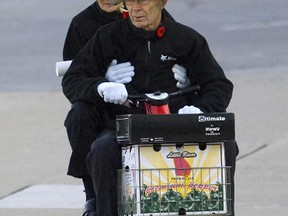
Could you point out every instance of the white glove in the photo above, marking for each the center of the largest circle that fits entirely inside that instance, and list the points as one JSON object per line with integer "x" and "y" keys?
{"x": 180, "y": 74}
{"x": 189, "y": 110}
{"x": 113, "y": 92}
{"x": 120, "y": 73}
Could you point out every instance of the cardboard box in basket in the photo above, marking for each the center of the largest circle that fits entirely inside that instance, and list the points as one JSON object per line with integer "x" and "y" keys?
{"x": 173, "y": 178}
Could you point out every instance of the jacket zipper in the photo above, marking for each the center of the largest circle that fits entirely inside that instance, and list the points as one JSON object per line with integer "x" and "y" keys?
{"x": 149, "y": 47}
{"x": 149, "y": 53}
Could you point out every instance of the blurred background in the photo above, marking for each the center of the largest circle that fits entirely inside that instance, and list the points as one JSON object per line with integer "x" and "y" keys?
{"x": 247, "y": 38}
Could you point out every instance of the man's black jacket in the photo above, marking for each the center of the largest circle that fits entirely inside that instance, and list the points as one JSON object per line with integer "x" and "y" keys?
{"x": 153, "y": 56}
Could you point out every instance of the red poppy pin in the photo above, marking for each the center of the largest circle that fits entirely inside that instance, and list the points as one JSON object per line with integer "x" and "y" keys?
{"x": 160, "y": 32}
{"x": 125, "y": 14}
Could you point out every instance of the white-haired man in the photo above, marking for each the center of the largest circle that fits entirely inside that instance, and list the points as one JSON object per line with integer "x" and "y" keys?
{"x": 143, "y": 41}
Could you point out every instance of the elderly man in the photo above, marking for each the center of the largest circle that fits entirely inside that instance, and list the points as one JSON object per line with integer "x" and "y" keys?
{"x": 81, "y": 132}
{"x": 152, "y": 45}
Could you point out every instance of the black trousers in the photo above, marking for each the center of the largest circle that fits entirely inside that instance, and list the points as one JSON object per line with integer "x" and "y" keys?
{"x": 97, "y": 155}
{"x": 83, "y": 123}
{"x": 103, "y": 161}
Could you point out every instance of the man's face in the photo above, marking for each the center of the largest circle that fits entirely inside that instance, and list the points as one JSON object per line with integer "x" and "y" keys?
{"x": 145, "y": 14}
{"x": 106, "y": 6}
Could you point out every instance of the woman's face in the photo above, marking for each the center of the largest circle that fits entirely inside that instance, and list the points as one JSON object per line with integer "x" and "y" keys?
{"x": 106, "y": 6}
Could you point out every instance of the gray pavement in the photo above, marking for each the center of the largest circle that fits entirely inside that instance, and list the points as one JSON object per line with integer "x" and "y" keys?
{"x": 248, "y": 38}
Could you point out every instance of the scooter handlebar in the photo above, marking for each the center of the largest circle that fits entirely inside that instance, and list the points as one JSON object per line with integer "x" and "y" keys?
{"x": 163, "y": 95}
{"x": 190, "y": 89}
{"x": 157, "y": 102}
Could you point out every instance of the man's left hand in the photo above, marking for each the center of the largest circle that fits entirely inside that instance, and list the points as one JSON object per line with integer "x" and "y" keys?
{"x": 189, "y": 110}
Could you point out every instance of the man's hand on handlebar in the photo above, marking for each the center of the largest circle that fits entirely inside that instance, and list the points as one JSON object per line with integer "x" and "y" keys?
{"x": 180, "y": 74}
{"x": 113, "y": 92}
{"x": 189, "y": 110}
{"x": 120, "y": 73}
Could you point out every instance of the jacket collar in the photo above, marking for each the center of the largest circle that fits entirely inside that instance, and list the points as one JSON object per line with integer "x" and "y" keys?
{"x": 151, "y": 34}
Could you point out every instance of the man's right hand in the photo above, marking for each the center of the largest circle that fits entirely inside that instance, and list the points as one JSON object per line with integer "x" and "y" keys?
{"x": 113, "y": 92}
{"x": 120, "y": 73}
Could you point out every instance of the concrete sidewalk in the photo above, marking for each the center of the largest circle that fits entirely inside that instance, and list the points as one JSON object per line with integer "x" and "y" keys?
{"x": 261, "y": 107}
{"x": 35, "y": 150}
